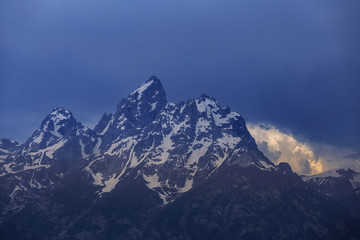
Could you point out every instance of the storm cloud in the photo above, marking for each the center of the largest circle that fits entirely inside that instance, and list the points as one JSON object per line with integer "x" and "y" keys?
{"x": 304, "y": 157}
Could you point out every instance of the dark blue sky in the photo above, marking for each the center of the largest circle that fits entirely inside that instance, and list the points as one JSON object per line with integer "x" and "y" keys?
{"x": 293, "y": 64}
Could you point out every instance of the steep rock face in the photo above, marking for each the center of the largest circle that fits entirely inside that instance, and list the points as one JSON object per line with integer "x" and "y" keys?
{"x": 173, "y": 146}
{"x": 136, "y": 111}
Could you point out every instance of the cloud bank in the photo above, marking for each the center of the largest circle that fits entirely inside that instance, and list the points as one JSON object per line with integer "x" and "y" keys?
{"x": 304, "y": 157}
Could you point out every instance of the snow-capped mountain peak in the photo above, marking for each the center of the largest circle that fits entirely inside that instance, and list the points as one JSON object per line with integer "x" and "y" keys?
{"x": 133, "y": 113}
{"x": 150, "y": 96}
{"x": 147, "y": 135}
{"x": 59, "y": 124}
{"x": 191, "y": 140}
{"x": 60, "y": 136}
{"x": 153, "y": 85}
{"x": 59, "y": 114}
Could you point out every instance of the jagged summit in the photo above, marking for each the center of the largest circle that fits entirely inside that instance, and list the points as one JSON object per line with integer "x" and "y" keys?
{"x": 192, "y": 139}
{"x": 143, "y": 104}
{"x": 58, "y": 114}
{"x": 161, "y": 140}
{"x": 58, "y": 124}
{"x": 153, "y": 78}
{"x": 206, "y": 96}
{"x": 133, "y": 113}
{"x": 60, "y": 109}
{"x": 102, "y": 124}
{"x": 60, "y": 136}
{"x": 151, "y": 88}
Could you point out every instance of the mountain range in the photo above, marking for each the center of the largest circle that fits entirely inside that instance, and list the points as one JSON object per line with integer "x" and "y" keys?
{"x": 159, "y": 170}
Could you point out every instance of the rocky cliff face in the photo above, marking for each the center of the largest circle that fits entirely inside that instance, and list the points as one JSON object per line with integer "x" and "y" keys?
{"x": 172, "y": 146}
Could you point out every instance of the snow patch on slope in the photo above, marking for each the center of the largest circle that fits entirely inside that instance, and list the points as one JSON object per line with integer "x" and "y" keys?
{"x": 83, "y": 154}
{"x": 96, "y": 176}
{"x": 110, "y": 184}
{"x": 107, "y": 126}
{"x": 197, "y": 152}
{"x": 219, "y": 121}
{"x": 206, "y": 105}
{"x": 154, "y": 184}
{"x": 188, "y": 185}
